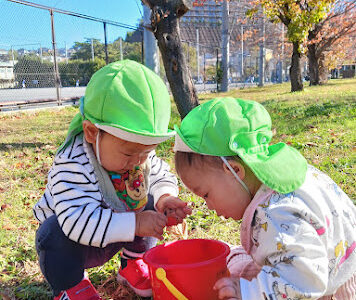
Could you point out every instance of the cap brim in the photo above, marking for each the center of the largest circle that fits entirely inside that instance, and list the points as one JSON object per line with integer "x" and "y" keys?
{"x": 181, "y": 144}
{"x": 283, "y": 169}
{"x": 136, "y": 137}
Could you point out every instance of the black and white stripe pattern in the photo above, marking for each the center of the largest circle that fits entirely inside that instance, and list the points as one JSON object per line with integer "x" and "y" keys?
{"x": 73, "y": 194}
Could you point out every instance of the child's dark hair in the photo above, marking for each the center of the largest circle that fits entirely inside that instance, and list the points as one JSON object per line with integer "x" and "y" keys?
{"x": 183, "y": 159}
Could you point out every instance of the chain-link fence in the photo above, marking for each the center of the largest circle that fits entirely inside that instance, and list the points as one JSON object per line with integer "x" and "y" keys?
{"x": 254, "y": 44}
{"x": 50, "y": 55}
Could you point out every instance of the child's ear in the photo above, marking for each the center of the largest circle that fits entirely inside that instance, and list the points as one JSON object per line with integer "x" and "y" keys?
{"x": 90, "y": 131}
{"x": 238, "y": 168}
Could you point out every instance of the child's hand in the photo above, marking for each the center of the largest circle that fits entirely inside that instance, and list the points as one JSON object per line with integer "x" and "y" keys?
{"x": 150, "y": 223}
{"x": 174, "y": 208}
{"x": 228, "y": 288}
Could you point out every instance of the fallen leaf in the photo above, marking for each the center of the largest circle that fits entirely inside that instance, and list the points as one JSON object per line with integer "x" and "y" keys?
{"x": 311, "y": 144}
{"x": 34, "y": 222}
{"x": 5, "y": 296}
{"x": 19, "y": 166}
{"x": 4, "y": 206}
{"x": 9, "y": 227}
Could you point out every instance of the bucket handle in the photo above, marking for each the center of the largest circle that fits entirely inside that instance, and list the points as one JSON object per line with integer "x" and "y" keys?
{"x": 161, "y": 275}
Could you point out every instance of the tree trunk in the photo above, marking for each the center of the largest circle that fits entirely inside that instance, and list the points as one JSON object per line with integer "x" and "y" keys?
{"x": 165, "y": 26}
{"x": 295, "y": 70}
{"x": 313, "y": 65}
{"x": 323, "y": 70}
{"x": 318, "y": 72}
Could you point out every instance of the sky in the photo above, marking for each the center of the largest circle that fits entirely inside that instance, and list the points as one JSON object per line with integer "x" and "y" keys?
{"x": 30, "y": 28}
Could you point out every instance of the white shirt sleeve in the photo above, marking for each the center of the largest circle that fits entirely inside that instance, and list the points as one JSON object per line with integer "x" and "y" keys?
{"x": 79, "y": 208}
{"x": 288, "y": 242}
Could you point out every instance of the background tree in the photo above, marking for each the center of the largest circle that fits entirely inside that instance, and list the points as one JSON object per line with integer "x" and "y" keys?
{"x": 299, "y": 17}
{"x": 79, "y": 70}
{"x": 330, "y": 34}
{"x": 342, "y": 53}
{"x": 34, "y": 73}
{"x": 130, "y": 50}
{"x": 165, "y": 16}
{"x": 191, "y": 56}
{"x": 83, "y": 50}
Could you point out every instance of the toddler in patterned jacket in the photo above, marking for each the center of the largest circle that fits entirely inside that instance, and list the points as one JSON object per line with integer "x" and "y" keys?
{"x": 298, "y": 229}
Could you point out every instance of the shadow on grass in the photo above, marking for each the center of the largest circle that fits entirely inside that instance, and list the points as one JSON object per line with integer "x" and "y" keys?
{"x": 338, "y": 82}
{"x": 33, "y": 290}
{"x": 312, "y": 110}
{"x": 20, "y": 146}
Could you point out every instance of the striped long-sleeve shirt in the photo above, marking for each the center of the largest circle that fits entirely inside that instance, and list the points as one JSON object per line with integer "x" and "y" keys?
{"x": 74, "y": 195}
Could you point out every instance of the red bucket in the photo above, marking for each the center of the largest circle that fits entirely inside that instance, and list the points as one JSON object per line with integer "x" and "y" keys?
{"x": 187, "y": 269}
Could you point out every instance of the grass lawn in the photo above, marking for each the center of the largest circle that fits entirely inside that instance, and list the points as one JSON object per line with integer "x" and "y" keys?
{"x": 320, "y": 122}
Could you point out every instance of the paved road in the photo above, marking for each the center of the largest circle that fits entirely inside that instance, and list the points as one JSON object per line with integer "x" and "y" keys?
{"x": 212, "y": 87}
{"x": 32, "y": 94}
{"x": 14, "y": 95}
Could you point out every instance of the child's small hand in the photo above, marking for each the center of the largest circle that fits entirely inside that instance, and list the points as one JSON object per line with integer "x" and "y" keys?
{"x": 174, "y": 208}
{"x": 228, "y": 288}
{"x": 150, "y": 223}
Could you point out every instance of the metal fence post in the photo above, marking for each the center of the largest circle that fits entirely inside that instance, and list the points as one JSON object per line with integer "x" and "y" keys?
{"x": 55, "y": 69}
{"x": 106, "y": 44}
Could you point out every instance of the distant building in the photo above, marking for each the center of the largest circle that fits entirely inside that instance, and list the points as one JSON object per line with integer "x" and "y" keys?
{"x": 50, "y": 58}
{"x": 205, "y": 13}
{"x": 7, "y": 77}
{"x": 348, "y": 70}
{"x": 206, "y": 16}
{"x": 4, "y": 55}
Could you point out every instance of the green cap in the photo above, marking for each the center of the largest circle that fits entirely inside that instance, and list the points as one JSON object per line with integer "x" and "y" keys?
{"x": 229, "y": 127}
{"x": 128, "y": 100}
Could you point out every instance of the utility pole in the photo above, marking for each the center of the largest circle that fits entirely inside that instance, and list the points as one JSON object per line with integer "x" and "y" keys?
{"x": 13, "y": 56}
{"x": 55, "y": 69}
{"x": 217, "y": 69}
{"x": 225, "y": 46}
{"x": 121, "y": 54}
{"x": 282, "y": 60}
{"x": 150, "y": 43}
{"x": 142, "y": 48}
{"x": 242, "y": 53}
{"x": 65, "y": 44}
{"x": 41, "y": 57}
{"x": 261, "y": 79}
{"x": 197, "y": 47}
{"x": 204, "y": 78}
{"x": 92, "y": 50}
{"x": 106, "y": 44}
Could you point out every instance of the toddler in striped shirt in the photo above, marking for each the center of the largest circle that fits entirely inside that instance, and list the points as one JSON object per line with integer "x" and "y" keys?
{"x": 107, "y": 190}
